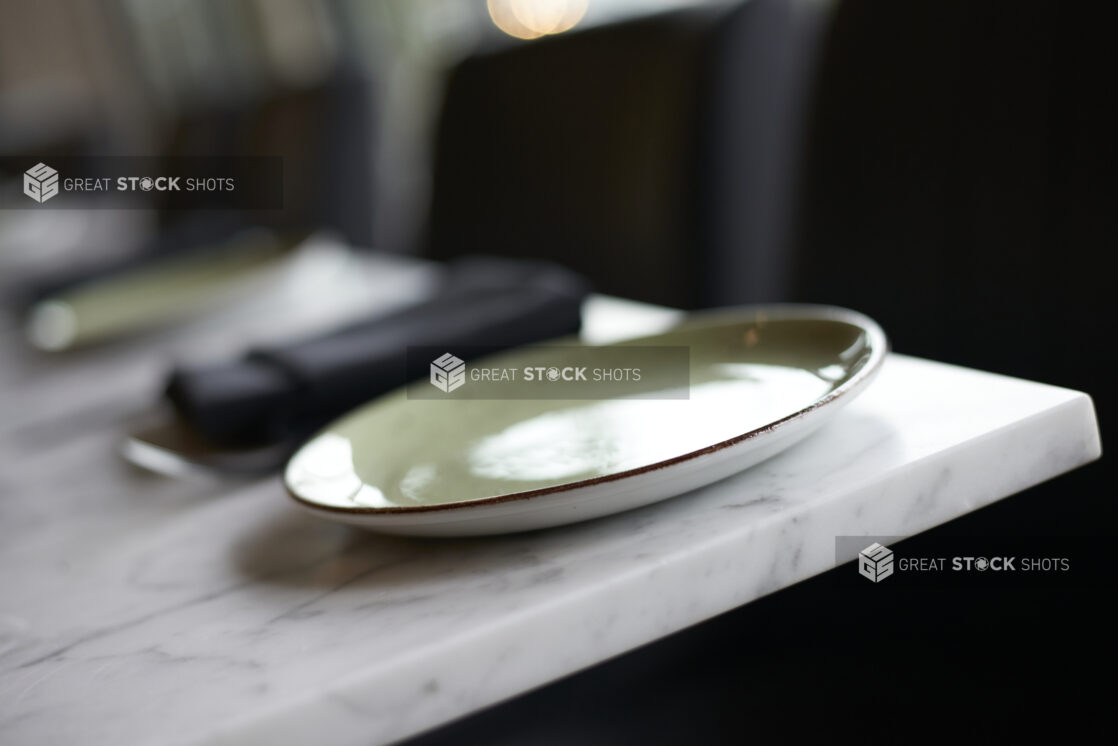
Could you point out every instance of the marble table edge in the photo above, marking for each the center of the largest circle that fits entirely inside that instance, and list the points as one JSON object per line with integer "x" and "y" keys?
{"x": 462, "y": 674}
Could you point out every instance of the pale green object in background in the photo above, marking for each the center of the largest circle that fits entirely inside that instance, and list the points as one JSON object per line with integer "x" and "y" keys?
{"x": 155, "y": 294}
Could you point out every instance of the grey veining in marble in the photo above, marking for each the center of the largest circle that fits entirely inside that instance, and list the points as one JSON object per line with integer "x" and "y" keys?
{"x": 137, "y": 609}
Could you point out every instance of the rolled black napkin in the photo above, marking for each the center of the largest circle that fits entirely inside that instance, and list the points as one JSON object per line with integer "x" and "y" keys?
{"x": 285, "y": 392}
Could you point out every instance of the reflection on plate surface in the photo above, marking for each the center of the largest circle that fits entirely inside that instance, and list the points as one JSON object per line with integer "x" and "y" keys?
{"x": 749, "y": 369}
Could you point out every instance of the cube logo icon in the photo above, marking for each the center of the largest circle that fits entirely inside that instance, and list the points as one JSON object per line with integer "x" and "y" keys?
{"x": 40, "y": 182}
{"x": 448, "y": 373}
{"x": 875, "y": 562}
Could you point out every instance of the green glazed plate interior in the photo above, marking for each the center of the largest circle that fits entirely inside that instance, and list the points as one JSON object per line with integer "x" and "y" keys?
{"x": 750, "y": 370}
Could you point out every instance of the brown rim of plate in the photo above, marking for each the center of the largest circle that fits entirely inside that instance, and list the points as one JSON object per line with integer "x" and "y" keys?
{"x": 878, "y": 344}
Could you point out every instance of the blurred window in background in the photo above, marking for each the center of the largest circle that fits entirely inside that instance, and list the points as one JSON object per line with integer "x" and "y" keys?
{"x": 345, "y": 90}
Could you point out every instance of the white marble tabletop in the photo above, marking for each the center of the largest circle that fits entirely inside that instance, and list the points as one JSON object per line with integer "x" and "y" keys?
{"x": 145, "y": 610}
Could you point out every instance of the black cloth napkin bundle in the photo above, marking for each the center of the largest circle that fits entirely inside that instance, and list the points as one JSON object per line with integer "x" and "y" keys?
{"x": 286, "y": 392}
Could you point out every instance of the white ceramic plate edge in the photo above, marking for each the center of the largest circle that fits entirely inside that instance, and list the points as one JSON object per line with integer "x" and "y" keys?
{"x": 636, "y": 488}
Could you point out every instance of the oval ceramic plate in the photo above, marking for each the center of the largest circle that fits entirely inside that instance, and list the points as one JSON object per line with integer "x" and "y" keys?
{"x": 761, "y": 379}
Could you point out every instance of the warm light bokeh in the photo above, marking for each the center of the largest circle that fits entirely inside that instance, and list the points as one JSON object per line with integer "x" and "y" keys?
{"x": 531, "y": 19}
